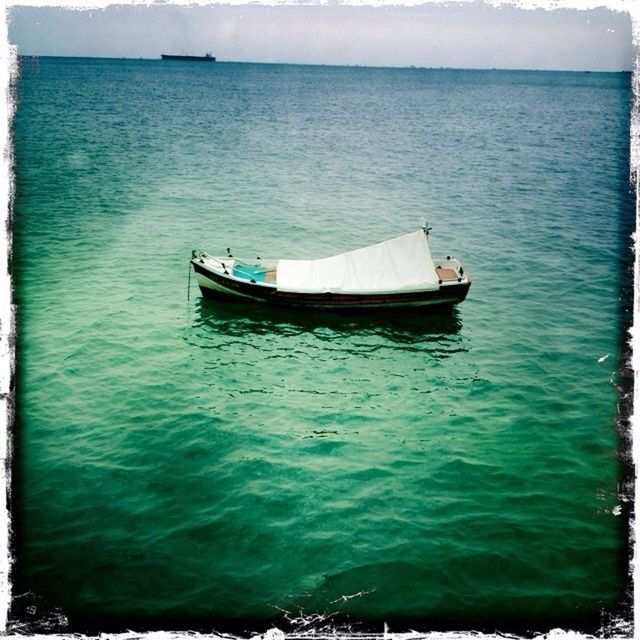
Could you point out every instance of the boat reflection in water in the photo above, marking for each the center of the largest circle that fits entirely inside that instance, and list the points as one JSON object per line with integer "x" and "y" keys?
{"x": 241, "y": 319}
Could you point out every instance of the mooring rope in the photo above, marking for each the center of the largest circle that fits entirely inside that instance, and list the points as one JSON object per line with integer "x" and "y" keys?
{"x": 189, "y": 281}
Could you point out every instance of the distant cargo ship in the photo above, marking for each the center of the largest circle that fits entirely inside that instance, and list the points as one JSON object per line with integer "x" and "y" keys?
{"x": 206, "y": 58}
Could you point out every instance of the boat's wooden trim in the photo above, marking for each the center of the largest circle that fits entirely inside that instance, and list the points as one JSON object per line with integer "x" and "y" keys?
{"x": 222, "y": 286}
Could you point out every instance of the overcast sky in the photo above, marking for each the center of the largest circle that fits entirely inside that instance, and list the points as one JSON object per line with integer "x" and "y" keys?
{"x": 469, "y": 35}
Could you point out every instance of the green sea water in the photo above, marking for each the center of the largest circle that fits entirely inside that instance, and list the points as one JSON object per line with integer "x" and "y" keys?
{"x": 187, "y": 464}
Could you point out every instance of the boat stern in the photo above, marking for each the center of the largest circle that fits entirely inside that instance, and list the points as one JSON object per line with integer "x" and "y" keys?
{"x": 452, "y": 277}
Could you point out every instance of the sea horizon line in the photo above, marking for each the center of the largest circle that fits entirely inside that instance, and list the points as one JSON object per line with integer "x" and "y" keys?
{"x": 335, "y": 65}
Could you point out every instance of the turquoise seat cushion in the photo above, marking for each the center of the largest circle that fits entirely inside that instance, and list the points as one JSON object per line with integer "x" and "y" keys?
{"x": 248, "y": 272}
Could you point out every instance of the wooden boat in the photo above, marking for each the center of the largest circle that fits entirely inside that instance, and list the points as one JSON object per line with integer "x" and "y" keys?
{"x": 395, "y": 273}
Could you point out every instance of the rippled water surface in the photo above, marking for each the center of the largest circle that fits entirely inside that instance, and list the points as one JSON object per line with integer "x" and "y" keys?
{"x": 179, "y": 460}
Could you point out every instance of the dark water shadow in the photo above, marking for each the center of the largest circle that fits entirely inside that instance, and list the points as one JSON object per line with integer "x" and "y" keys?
{"x": 407, "y": 326}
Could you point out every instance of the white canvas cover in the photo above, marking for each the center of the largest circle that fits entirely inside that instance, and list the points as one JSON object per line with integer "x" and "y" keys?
{"x": 399, "y": 265}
